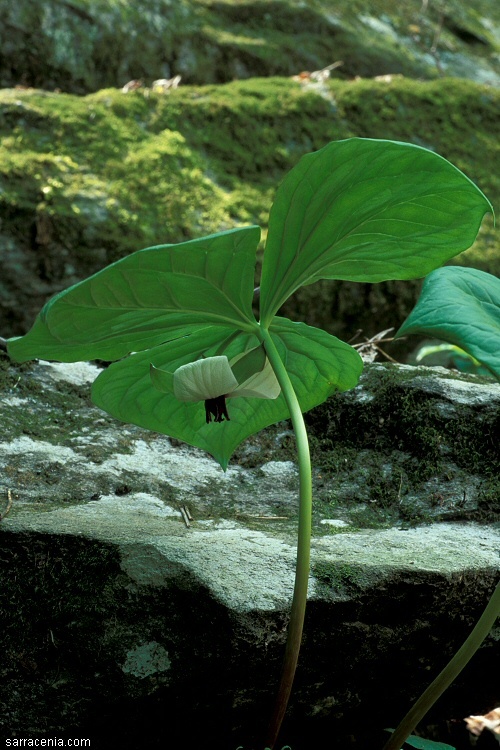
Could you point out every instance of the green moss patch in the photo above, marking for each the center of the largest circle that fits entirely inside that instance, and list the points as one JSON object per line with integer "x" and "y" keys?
{"x": 87, "y": 180}
{"x": 400, "y": 453}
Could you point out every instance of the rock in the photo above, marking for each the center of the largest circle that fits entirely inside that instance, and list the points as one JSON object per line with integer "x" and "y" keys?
{"x": 133, "y": 170}
{"x": 113, "y": 607}
{"x": 81, "y": 47}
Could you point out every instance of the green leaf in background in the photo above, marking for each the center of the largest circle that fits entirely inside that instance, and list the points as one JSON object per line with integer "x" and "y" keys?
{"x": 422, "y": 744}
{"x": 318, "y": 365}
{"x": 147, "y": 298}
{"x": 366, "y": 210}
{"x": 462, "y": 306}
{"x": 459, "y": 358}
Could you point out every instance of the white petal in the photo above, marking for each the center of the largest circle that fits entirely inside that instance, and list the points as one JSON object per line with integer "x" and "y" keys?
{"x": 261, "y": 385}
{"x": 205, "y": 378}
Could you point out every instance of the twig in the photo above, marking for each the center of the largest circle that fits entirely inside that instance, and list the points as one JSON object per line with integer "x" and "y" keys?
{"x": 9, "y": 505}
{"x": 256, "y": 515}
{"x": 354, "y": 337}
{"x": 186, "y": 515}
{"x": 332, "y": 66}
{"x": 384, "y": 354}
{"x": 437, "y": 35}
{"x": 374, "y": 342}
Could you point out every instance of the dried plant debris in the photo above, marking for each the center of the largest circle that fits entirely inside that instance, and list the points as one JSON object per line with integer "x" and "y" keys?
{"x": 491, "y": 721}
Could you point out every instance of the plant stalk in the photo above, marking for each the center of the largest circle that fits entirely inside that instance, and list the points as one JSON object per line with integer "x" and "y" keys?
{"x": 448, "y": 674}
{"x": 297, "y": 613}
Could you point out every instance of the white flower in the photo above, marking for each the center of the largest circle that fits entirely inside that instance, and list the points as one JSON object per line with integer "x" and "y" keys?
{"x": 212, "y": 380}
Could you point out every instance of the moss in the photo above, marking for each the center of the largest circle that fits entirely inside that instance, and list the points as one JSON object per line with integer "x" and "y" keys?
{"x": 392, "y": 453}
{"x": 412, "y": 424}
{"x": 393, "y": 447}
{"x": 18, "y": 382}
{"x": 90, "y": 179}
{"x": 343, "y": 578}
{"x": 252, "y": 130}
{"x": 489, "y": 497}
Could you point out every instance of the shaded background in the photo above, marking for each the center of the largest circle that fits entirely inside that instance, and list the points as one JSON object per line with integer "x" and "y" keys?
{"x": 90, "y": 172}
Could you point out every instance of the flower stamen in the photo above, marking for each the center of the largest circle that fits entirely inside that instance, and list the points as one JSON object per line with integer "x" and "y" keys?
{"x": 216, "y": 407}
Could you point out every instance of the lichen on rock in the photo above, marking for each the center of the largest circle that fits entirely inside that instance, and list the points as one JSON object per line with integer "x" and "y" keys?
{"x": 108, "y": 596}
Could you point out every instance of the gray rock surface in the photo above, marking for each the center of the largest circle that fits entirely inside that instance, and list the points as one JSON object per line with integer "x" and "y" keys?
{"x": 109, "y": 600}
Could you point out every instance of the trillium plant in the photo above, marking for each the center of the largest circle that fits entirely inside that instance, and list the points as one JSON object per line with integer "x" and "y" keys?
{"x": 191, "y": 360}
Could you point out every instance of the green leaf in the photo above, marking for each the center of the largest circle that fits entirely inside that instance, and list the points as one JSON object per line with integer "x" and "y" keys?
{"x": 422, "y": 744}
{"x": 366, "y": 210}
{"x": 147, "y": 298}
{"x": 457, "y": 356}
{"x": 251, "y": 363}
{"x": 462, "y": 306}
{"x": 428, "y": 351}
{"x": 162, "y": 380}
{"x": 318, "y": 365}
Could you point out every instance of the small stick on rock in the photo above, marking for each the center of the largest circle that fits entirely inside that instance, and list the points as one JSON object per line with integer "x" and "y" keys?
{"x": 9, "y": 506}
{"x": 186, "y": 516}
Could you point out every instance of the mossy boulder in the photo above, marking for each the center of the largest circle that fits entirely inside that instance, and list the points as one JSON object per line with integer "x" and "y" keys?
{"x": 122, "y": 624}
{"x": 86, "y": 180}
{"x": 85, "y": 45}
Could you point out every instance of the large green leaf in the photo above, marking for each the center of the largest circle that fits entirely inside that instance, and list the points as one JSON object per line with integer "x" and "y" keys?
{"x": 421, "y": 744}
{"x": 318, "y": 365}
{"x": 462, "y": 306}
{"x": 147, "y": 298}
{"x": 366, "y": 210}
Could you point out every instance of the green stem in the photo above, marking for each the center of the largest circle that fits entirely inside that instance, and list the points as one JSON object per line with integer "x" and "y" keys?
{"x": 449, "y": 673}
{"x": 295, "y": 627}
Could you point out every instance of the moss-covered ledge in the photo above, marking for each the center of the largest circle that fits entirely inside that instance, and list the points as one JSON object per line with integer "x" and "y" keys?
{"x": 113, "y": 607}
{"x": 87, "y": 180}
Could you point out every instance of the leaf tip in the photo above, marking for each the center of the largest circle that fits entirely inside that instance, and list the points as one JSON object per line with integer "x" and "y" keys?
{"x": 15, "y": 351}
